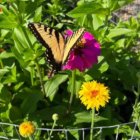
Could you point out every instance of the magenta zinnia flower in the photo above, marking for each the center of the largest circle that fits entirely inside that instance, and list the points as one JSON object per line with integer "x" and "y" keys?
{"x": 84, "y": 56}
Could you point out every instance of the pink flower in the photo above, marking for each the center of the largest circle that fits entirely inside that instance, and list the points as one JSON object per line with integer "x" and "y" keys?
{"x": 85, "y": 54}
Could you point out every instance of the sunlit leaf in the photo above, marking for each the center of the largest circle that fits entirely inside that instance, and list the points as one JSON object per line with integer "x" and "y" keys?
{"x": 86, "y": 117}
{"x": 88, "y": 8}
{"x": 119, "y": 31}
{"x": 52, "y": 85}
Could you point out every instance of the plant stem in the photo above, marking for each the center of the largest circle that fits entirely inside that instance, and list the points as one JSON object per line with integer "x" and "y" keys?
{"x": 128, "y": 42}
{"x": 73, "y": 89}
{"x": 92, "y": 123}
{"x": 31, "y": 138}
{"x": 40, "y": 77}
{"x": 137, "y": 93}
{"x": 54, "y": 123}
{"x": 37, "y": 65}
{"x": 138, "y": 96}
{"x": 1, "y": 64}
{"x": 136, "y": 104}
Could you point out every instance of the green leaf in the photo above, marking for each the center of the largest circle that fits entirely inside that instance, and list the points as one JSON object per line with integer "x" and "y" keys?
{"x": 7, "y": 23}
{"x": 114, "y": 5}
{"x": 30, "y": 99}
{"x": 5, "y": 54}
{"x": 85, "y": 116}
{"x": 20, "y": 39}
{"x": 21, "y": 6}
{"x": 3, "y": 72}
{"x": 119, "y": 31}
{"x": 78, "y": 82}
{"x": 15, "y": 113}
{"x": 8, "y": 131}
{"x": 12, "y": 76}
{"x": 88, "y": 77}
{"x": 7, "y": 19}
{"x": 5, "y": 96}
{"x": 118, "y": 97}
{"x": 18, "y": 85}
{"x": 22, "y": 49}
{"x": 88, "y": 8}
{"x": 1, "y": 86}
{"x": 103, "y": 65}
{"x": 75, "y": 134}
{"x": 52, "y": 85}
{"x": 97, "y": 21}
{"x": 124, "y": 2}
{"x": 38, "y": 15}
{"x": 18, "y": 56}
{"x": 32, "y": 6}
{"x": 4, "y": 33}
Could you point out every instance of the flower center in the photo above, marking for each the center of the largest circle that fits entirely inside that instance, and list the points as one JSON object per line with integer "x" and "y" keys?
{"x": 77, "y": 52}
{"x": 78, "y": 46}
{"x": 94, "y": 93}
{"x": 81, "y": 43}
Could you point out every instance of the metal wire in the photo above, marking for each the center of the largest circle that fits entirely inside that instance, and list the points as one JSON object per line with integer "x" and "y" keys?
{"x": 66, "y": 131}
{"x": 124, "y": 13}
{"x": 117, "y": 132}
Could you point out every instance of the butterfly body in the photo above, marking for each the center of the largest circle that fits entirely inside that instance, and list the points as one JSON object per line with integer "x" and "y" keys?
{"x": 57, "y": 48}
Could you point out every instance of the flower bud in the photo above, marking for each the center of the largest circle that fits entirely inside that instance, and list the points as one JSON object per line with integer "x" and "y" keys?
{"x": 55, "y": 117}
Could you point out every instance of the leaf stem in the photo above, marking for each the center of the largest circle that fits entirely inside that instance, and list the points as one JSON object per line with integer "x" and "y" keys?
{"x": 54, "y": 123}
{"x": 73, "y": 89}
{"x": 138, "y": 93}
{"x": 92, "y": 123}
{"x": 31, "y": 138}
{"x": 40, "y": 77}
{"x": 1, "y": 64}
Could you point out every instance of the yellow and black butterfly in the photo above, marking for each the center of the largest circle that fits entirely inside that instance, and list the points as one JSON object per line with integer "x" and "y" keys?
{"x": 57, "y": 47}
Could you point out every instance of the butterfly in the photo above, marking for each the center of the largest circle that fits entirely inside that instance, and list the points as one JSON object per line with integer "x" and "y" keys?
{"x": 57, "y": 46}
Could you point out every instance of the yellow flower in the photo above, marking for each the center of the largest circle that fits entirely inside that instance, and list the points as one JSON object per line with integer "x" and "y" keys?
{"x": 26, "y": 129}
{"x": 94, "y": 95}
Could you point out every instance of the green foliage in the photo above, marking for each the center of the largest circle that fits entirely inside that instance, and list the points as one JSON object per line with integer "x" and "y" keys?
{"x": 27, "y": 93}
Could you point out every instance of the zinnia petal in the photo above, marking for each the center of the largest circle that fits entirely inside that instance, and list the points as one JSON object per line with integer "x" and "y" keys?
{"x": 83, "y": 57}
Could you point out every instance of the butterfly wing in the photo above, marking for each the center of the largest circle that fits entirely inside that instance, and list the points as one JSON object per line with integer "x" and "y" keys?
{"x": 71, "y": 42}
{"x": 52, "y": 40}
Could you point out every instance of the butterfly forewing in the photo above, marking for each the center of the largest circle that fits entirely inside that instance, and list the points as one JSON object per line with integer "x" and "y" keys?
{"x": 71, "y": 42}
{"x": 57, "y": 51}
{"x": 52, "y": 40}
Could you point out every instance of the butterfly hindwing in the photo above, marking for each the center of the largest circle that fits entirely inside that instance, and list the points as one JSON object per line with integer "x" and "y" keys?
{"x": 71, "y": 42}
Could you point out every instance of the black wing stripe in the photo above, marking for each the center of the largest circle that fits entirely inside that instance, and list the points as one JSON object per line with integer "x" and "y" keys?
{"x": 71, "y": 42}
{"x": 49, "y": 51}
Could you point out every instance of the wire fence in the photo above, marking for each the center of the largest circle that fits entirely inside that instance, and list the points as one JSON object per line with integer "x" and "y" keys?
{"x": 10, "y": 131}
{"x": 5, "y": 133}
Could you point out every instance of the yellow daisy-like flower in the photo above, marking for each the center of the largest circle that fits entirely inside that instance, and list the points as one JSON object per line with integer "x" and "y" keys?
{"x": 26, "y": 129}
{"x": 94, "y": 95}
